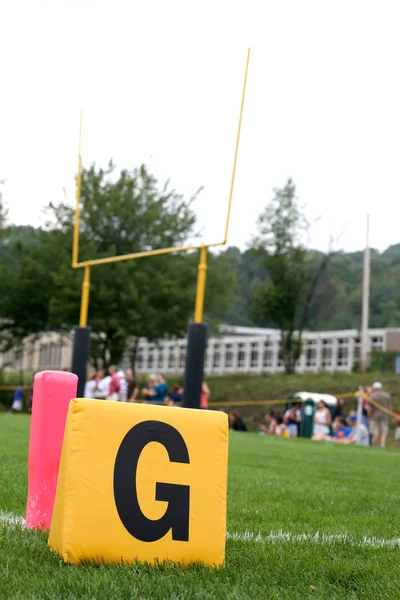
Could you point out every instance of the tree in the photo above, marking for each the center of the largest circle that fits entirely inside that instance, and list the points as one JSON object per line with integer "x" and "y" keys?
{"x": 27, "y": 274}
{"x": 249, "y": 273}
{"x": 284, "y": 299}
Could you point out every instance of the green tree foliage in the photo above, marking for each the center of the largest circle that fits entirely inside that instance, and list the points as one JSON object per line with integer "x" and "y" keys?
{"x": 28, "y": 270}
{"x": 337, "y": 300}
{"x": 284, "y": 299}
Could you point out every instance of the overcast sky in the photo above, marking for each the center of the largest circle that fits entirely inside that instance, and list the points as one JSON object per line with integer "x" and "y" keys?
{"x": 160, "y": 83}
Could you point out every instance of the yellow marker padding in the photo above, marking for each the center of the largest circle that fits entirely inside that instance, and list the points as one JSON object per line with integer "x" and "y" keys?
{"x": 141, "y": 482}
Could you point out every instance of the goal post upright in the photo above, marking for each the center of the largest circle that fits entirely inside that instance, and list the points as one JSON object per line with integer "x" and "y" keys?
{"x": 198, "y": 330}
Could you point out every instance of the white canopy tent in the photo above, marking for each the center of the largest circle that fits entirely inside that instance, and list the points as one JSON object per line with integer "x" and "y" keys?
{"x": 327, "y": 398}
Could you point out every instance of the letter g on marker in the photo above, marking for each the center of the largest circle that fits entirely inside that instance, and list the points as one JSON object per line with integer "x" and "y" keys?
{"x": 176, "y": 517}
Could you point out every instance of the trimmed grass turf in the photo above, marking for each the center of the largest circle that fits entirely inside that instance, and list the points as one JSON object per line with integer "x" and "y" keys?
{"x": 294, "y": 486}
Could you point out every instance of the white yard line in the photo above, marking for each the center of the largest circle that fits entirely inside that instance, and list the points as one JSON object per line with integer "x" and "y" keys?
{"x": 315, "y": 538}
{"x": 11, "y": 520}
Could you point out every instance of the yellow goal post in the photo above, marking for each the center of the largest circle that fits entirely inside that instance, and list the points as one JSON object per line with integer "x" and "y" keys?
{"x": 201, "y": 280}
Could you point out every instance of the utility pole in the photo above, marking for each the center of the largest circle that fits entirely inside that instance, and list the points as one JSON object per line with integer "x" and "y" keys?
{"x": 365, "y": 305}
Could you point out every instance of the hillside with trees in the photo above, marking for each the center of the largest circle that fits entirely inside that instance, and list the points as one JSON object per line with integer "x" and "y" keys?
{"x": 276, "y": 282}
{"x": 337, "y": 304}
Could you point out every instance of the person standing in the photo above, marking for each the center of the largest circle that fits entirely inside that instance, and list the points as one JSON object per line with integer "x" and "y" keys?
{"x": 133, "y": 389}
{"x": 18, "y": 400}
{"x": 379, "y": 419}
{"x": 102, "y": 386}
{"x": 30, "y": 395}
{"x": 322, "y": 420}
{"x": 115, "y": 385}
{"x": 90, "y": 387}
{"x": 159, "y": 392}
{"x": 123, "y": 386}
{"x": 205, "y": 394}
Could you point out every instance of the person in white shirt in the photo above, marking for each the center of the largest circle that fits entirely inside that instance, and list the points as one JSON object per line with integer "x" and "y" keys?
{"x": 322, "y": 420}
{"x": 280, "y": 428}
{"x": 102, "y": 388}
{"x": 123, "y": 389}
{"x": 90, "y": 387}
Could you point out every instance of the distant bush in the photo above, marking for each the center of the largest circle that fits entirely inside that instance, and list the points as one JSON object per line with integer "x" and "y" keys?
{"x": 383, "y": 361}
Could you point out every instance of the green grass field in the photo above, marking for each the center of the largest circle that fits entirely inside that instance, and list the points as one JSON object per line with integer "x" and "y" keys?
{"x": 305, "y": 520}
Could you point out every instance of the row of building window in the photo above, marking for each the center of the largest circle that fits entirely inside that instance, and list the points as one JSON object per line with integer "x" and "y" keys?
{"x": 50, "y": 355}
{"x": 240, "y": 355}
{"x": 264, "y": 354}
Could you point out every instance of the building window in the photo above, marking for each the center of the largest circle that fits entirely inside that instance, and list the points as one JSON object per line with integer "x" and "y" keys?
{"x": 254, "y": 355}
{"x": 241, "y": 356}
{"x": 311, "y": 354}
{"x": 54, "y": 355}
{"x": 326, "y": 356}
{"x": 139, "y": 360}
{"x": 207, "y": 359}
{"x": 216, "y": 356}
{"x": 171, "y": 358}
{"x": 9, "y": 359}
{"x": 228, "y": 356}
{"x": 44, "y": 356}
{"x": 160, "y": 359}
{"x": 182, "y": 357}
{"x": 280, "y": 356}
{"x": 357, "y": 349}
{"x": 267, "y": 355}
{"x": 150, "y": 358}
{"x": 342, "y": 358}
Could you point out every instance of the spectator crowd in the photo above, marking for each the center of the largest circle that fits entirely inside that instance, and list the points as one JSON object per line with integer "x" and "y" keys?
{"x": 122, "y": 386}
{"x": 336, "y": 426}
{"x": 371, "y": 428}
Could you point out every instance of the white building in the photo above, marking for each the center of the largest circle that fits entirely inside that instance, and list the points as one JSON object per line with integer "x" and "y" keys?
{"x": 235, "y": 350}
{"x": 47, "y": 351}
{"x": 255, "y": 350}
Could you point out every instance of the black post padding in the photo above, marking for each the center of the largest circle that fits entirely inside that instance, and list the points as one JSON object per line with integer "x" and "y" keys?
{"x": 80, "y": 357}
{"x": 194, "y": 368}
